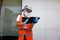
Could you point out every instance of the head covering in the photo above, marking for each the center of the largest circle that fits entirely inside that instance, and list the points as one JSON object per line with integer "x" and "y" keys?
{"x": 28, "y": 8}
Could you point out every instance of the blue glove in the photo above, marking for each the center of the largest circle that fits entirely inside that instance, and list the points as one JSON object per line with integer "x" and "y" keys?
{"x": 35, "y": 20}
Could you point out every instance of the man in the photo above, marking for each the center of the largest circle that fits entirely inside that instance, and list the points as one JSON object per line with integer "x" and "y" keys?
{"x": 25, "y": 30}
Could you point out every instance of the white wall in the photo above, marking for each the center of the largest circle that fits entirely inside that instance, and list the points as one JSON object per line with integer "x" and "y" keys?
{"x": 48, "y": 27}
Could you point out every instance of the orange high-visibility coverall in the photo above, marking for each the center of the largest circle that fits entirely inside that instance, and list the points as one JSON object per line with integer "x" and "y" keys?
{"x": 25, "y": 34}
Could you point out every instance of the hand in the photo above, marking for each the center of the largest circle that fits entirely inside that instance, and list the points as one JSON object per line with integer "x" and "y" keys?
{"x": 21, "y": 23}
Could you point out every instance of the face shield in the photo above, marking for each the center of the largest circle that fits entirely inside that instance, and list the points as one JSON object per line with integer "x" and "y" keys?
{"x": 27, "y": 10}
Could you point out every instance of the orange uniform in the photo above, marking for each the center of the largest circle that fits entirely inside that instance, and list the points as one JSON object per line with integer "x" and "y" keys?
{"x": 25, "y": 34}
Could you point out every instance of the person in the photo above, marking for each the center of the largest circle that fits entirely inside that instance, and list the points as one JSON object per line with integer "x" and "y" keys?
{"x": 25, "y": 30}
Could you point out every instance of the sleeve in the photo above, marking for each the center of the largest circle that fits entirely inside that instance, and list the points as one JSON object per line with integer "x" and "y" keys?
{"x": 18, "y": 18}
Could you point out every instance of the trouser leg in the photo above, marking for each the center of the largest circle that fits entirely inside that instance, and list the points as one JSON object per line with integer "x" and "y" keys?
{"x": 20, "y": 37}
{"x": 29, "y": 38}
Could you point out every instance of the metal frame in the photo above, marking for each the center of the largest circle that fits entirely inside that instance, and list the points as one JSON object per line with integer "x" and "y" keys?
{"x": 1, "y": 1}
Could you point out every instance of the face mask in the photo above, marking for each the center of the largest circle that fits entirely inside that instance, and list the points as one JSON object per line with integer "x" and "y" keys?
{"x": 27, "y": 14}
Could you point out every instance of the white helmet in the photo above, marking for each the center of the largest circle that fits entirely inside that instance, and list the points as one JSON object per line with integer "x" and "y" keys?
{"x": 26, "y": 6}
